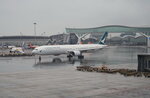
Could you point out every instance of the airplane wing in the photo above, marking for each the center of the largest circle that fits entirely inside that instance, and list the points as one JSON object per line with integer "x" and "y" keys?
{"x": 78, "y": 52}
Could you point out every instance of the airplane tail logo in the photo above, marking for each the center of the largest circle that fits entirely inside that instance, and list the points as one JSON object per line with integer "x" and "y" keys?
{"x": 103, "y": 38}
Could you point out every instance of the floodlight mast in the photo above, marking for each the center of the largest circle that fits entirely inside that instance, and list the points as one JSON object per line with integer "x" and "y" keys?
{"x": 35, "y": 31}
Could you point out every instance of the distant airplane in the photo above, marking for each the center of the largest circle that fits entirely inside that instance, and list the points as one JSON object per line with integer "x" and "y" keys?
{"x": 70, "y": 50}
{"x": 30, "y": 46}
{"x": 16, "y": 50}
{"x": 10, "y": 47}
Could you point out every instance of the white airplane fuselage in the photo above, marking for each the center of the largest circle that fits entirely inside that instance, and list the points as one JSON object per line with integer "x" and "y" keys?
{"x": 70, "y": 50}
{"x": 65, "y": 49}
{"x": 17, "y": 50}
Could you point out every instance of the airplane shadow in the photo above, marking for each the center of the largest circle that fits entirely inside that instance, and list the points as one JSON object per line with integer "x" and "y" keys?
{"x": 55, "y": 62}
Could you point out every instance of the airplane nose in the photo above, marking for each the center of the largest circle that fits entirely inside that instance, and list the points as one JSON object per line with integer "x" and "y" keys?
{"x": 34, "y": 52}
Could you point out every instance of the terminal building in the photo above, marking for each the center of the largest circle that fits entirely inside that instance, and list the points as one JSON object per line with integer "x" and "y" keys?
{"x": 128, "y": 35}
{"x": 18, "y": 40}
{"x": 39, "y": 40}
{"x": 63, "y": 39}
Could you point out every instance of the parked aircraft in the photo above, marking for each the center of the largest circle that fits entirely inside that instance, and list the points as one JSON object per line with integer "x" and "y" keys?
{"x": 30, "y": 46}
{"x": 16, "y": 50}
{"x": 10, "y": 47}
{"x": 70, "y": 50}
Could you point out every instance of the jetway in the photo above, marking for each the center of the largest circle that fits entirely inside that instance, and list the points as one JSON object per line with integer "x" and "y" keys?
{"x": 147, "y": 35}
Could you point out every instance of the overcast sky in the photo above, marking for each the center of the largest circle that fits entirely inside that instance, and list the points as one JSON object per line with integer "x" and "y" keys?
{"x": 53, "y": 16}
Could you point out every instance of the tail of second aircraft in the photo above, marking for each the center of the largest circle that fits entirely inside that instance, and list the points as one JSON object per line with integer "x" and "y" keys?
{"x": 103, "y": 38}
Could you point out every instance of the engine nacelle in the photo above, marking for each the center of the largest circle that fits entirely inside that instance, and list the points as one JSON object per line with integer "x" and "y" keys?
{"x": 75, "y": 53}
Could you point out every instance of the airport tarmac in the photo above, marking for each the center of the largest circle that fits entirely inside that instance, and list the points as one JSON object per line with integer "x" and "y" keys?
{"x": 25, "y": 77}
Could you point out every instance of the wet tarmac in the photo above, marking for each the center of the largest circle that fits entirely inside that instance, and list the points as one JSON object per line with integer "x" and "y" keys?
{"x": 56, "y": 77}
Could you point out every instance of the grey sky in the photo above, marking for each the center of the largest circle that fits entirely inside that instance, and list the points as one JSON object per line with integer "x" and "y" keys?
{"x": 53, "y": 16}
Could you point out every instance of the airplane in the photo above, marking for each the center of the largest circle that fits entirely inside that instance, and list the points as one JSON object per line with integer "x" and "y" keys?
{"x": 10, "y": 47}
{"x": 30, "y": 46}
{"x": 16, "y": 50}
{"x": 70, "y": 50}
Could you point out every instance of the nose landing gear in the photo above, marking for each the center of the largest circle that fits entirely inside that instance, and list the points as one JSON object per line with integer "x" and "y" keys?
{"x": 39, "y": 58}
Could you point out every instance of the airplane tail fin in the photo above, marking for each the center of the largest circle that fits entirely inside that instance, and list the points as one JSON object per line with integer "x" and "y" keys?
{"x": 103, "y": 38}
{"x": 23, "y": 45}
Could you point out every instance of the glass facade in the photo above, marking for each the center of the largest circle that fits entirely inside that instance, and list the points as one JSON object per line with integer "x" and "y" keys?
{"x": 110, "y": 28}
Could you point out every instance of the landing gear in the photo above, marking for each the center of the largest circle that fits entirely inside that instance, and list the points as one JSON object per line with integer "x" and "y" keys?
{"x": 69, "y": 57}
{"x": 80, "y": 57}
{"x": 39, "y": 58}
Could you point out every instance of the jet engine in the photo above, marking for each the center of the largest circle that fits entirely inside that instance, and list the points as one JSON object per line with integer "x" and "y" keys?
{"x": 75, "y": 53}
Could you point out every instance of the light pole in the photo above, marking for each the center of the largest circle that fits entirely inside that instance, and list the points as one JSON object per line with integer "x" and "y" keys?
{"x": 43, "y": 34}
{"x": 35, "y": 30}
{"x": 20, "y": 38}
